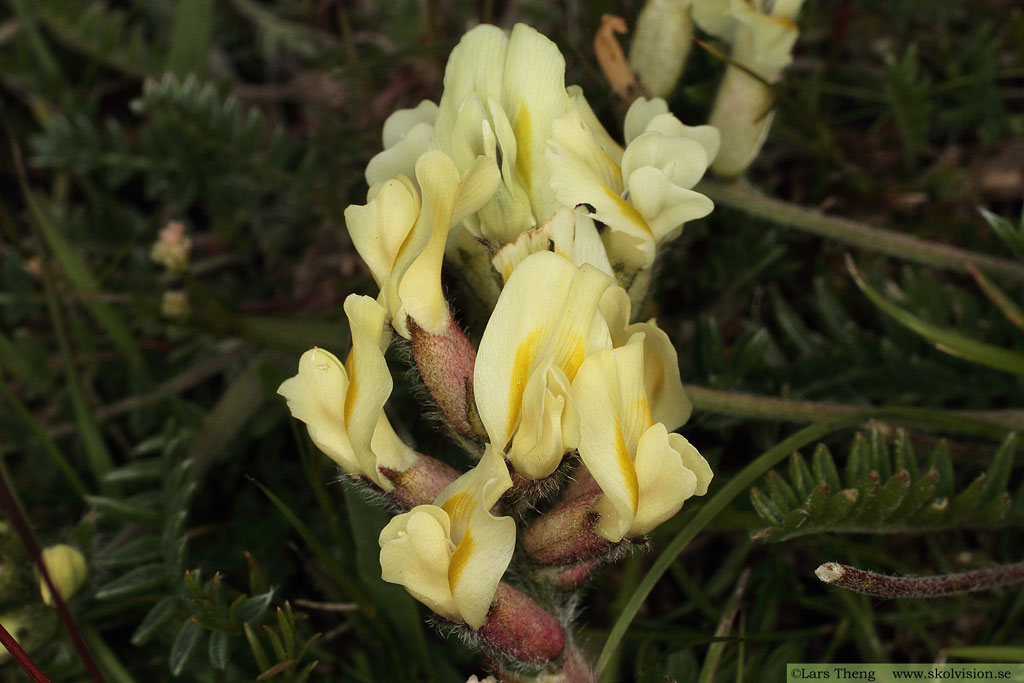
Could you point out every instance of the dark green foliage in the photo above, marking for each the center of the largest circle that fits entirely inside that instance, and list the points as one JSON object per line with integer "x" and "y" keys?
{"x": 883, "y": 491}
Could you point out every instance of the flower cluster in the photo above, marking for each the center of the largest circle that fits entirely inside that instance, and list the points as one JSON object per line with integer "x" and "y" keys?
{"x": 760, "y": 35}
{"x": 511, "y": 183}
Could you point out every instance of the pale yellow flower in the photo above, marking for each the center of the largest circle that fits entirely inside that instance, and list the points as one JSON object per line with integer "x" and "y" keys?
{"x": 402, "y": 238}
{"x": 642, "y": 195}
{"x": 645, "y": 473}
{"x": 67, "y": 569}
{"x": 545, "y": 323}
{"x": 501, "y": 94}
{"x": 762, "y": 34}
{"x": 662, "y": 384}
{"x": 660, "y": 44}
{"x": 451, "y": 555}
{"x": 343, "y": 404}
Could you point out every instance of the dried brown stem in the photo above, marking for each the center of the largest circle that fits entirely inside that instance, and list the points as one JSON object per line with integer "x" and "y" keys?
{"x": 883, "y": 586}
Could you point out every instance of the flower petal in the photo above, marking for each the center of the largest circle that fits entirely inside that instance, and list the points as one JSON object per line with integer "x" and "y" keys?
{"x": 683, "y": 161}
{"x": 665, "y": 482}
{"x": 603, "y": 444}
{"x": 316, "y": 396}
{"x": 400, "y": 123}
{"x": 415, "y": 552}
{"x": 369, "y": 379}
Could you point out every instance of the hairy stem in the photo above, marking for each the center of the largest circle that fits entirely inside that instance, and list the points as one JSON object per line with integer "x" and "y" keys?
{"x": 740, "y": 195}
{"x": 883, "y": 586}
{"x": 795, "y": 410}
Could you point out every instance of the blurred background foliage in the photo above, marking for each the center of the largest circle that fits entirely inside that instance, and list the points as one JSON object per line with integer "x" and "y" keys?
{"x": 221, "y": 545}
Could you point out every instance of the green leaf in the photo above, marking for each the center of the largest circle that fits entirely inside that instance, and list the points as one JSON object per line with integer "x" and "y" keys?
{"x": 942, "y": 463}
{"x": 944, "y": 340}
{"x": 824, "y": 468}
{"x": 155, "y": 618}
{"x": 123, "y": 509}
{"x": 135, "y": 552}
{"x": 184, "y": 646}
{"x": 219, "y": 650}
{"x": 800, "y": 476}
{"x": 258, "y": 653}
{"x": 252, "y": 609}
{"x": 138, "y": 580}
{"x": 970, "y": 498}
{"x": 999, "y": 470}
{"x": 766, "y": 508}
{"x": 190, "y": 38}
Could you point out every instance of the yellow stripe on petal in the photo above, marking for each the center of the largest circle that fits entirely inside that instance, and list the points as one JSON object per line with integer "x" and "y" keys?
{"x": 460, "y": 558}
{"x": 353, "y": 385}
{"x": 626, "y": 468}
{"x": 520, "y": 374}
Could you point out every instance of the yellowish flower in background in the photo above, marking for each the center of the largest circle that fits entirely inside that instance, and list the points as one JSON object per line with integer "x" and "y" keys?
{"x": 67, "y": 568}
{"x": 451, "y": 555}
{"x": 642, "y": 196}
{"x": 545, "y": 323}
{"x": 645, "y": 473}
{"x": 402, "y": 238}
{"x": 661, "y": 42}
{"x": 343, "y": 404}
{"x": 762, "y": 34}
{"x": 172, "y": 248}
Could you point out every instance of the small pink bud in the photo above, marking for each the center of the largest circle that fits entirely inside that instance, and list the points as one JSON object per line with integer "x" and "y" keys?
{"x": 565, "y": 535}
{"x": 445, "y": 364}
{"x": 567, "y": 577}
{"x": 421, "y": 483}
{"x": 521, "y": 629}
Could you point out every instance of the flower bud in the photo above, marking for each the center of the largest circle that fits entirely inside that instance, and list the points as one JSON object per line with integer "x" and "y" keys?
{"x": 521, "y": 629}
{"x": 31, "y": 626}
{"x": 566, "y": 535}
{"x": 67, "y": 569}
{"x": 421, "y": 483}
{"x": 445, "y": 364}
{"x": 172, "y": 248}
{"x": 661, "y": 44}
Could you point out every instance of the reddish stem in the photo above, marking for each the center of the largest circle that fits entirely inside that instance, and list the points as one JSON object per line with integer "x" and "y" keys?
{"x": 28, "y": 540}
{"x": 21, "y": 657}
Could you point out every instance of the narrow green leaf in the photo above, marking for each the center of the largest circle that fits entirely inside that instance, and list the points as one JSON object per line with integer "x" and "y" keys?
{"x": 766, "y": 508}
{"x": 252, "y": 609}
{"x": 794, "y": 520}
{"x": 219, "y": 650}
{"x": 967, "y": 500}
{"x": 824, "y": 467}
{"x": 337, "y": 572}
{"x": 1010, "y": 310}
{"x": 817, "y": 500}
{"x": 993, "y": 511}
{"x": 919, "y": 493}
{"x": 138, "y": 580}
{"x": 140, "y": 470}
{"x": 276, "y": 644}
{"x": 155, "y": 618}
{"x": 190, "y": 38}
{"x": 257, "y": 579}
{"x": 942, "y": 463}
{"x": 303, "y": 675}
{"x": 1010, "y": 234}
{"x": 135, "y": 552}
{"x": 881, "y": 460}
{"x": 868, "y": 488}
{"x": 999, "y": 470}
{"x": 123, "y": 509}
{"x": 904, "y": 457}
{"x": 933, "y": 513}
{"x": 942, "y": 339}
{"x": 184, "y": 646}
{"x": 800, "y": 476}
{"x": 258, "y": 653}
{"x": 286, "y": 625}
{"x": 782, "y": 493}
{"x": 891, "y": 497}
{"x": 839, "y": 506}
{"x": 858, "y": 462}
